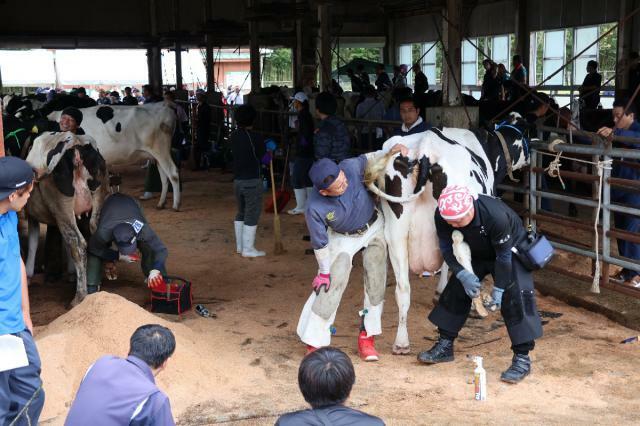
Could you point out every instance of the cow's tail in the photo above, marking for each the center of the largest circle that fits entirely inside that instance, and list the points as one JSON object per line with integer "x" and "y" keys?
{"x": 392, "y": 198}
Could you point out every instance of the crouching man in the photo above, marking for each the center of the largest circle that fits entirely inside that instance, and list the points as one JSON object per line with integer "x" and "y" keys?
{"x": 122, "y": 222}
{"x": 491, "y": 229}
{"x": 342, "y": 219}
{"x": 123, "y": 391}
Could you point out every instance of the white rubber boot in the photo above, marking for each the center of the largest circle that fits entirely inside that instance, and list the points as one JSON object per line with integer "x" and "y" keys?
{"x": 301, "y": 201}
{"x": 238, "y": 227}
{"x": 248, "y": 240}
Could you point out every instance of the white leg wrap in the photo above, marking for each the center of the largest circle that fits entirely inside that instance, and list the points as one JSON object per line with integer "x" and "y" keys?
{"x": 312, "y": 328}
{"x": 373, "y": 317}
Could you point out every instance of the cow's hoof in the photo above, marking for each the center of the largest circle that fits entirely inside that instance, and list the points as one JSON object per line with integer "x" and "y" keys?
{"x": 77, "y": 300}
{"x": 160, "y": 207}
{"x": 401, "y": 350}
{"x": 176, "y": 209}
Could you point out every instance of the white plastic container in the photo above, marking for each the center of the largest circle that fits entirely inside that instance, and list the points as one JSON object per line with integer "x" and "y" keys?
{"x": 479, "y": 380}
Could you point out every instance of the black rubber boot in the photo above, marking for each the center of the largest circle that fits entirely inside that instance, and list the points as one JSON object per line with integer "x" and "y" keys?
{"x": 442, "y": 351}
{"x": 519, "y": 369}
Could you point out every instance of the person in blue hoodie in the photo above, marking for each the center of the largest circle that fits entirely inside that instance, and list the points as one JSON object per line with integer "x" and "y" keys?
{"x": 411, "y": 121}
{"x": 625, "y": 125}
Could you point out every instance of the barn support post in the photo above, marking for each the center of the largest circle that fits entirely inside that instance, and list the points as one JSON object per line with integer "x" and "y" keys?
{"x": 297, "y": 55}
{"x": 209, "y": 57}
{"x": 452, "y": 39}
{"x": 154, "y": 56}
{"x": 178, "y": 65}
{"x": 522, "y": 35}
{"x": 254, "y": 53}
{"x": 623, "y": 49}
{"x": 325, "y": 46}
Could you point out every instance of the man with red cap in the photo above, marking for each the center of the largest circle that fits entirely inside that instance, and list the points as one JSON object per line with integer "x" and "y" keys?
{"x": 492, "y": 230}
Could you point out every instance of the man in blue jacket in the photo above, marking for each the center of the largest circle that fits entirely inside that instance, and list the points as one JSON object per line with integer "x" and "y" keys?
{"x": 122, "y": 391}
{"x": 625, "y": 125}
{"x": 18, "y": 384}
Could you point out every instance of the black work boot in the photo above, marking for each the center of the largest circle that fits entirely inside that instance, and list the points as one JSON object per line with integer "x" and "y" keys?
{"x": 519, "y": 369}
{"x": 442, "y": 351}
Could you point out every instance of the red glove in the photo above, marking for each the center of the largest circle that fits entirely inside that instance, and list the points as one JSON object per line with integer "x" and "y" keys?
{"x": 155, "y": 279}
{"x": 321, "y": 280}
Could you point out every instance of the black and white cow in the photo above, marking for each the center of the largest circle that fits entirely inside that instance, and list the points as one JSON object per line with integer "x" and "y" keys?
{"x": 72, "y": 180}
{"x": 410, "y": 186}
{"x": 126, "y": 134}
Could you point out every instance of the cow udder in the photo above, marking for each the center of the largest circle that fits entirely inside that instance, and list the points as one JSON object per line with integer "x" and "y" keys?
{"x": 424, "y": 251}
{"x": 82, "y": 194}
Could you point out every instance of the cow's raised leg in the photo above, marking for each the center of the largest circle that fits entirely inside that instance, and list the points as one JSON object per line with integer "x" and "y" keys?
{"x": 168, "y": 169}
{"x": 78, "y": 250}
{"x": 399, "y": 255}
{"x": 34, "y": 239}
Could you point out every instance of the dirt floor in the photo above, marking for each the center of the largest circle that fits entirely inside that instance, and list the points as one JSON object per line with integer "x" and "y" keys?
{"x": 241, "y": 368}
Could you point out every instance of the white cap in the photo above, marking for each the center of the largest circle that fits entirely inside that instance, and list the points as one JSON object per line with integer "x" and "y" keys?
{"x": 300, "y": 97}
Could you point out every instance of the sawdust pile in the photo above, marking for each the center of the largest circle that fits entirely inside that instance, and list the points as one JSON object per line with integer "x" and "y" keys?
{"x": 103, "y": 324}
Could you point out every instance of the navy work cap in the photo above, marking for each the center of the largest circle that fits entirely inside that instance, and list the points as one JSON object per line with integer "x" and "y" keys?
{"x": 14, "y": 174}
{"x": 125, "y": 237}
{"x": 321, "y": 170}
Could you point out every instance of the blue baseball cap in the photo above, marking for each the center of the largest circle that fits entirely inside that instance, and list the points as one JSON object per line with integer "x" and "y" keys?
{"x": 14, "y": 174}
{"x": 125, "y": 237}
{"x": 321, "y": 170}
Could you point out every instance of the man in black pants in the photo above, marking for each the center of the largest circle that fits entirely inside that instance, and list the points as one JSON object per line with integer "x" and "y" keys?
{"x": 491, "y": 229}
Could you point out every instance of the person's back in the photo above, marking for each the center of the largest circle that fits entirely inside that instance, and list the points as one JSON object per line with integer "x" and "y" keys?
{"x": 337, "y": 415}
{"x": 117, "y": 391}
{"x": 332, "y": 140}
{"x": 325, "y": 378}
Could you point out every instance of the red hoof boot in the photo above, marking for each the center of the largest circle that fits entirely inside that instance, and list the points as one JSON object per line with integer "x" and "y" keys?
{"x": 310, "y": 349}
{"x": 366, "y": 347}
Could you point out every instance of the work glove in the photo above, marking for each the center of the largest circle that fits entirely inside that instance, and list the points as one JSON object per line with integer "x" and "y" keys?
{"x": 270, "y": 144}
{"x": 470, "y": 282}
{"x": 266, "y": 158}
{"x": 321, "y": 280}
{"x": 496, "y": 295}
{"x": 129, "y": 258}
{"x": 155, "y": 279}
{"x": 110, "y": 271}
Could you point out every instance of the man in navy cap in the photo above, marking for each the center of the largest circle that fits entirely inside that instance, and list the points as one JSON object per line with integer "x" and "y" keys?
{"x": 122, "y": 222}
{"x": 342, "y": 219}
{"x": 19, "y": 381}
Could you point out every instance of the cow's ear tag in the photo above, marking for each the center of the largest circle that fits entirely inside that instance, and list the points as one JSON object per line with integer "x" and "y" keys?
{"x": 137, "y": 226}
{"x": 34, "y": 129}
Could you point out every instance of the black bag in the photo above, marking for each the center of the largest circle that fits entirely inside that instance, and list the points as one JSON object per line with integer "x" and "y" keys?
{"x": 174, "y": 298}
{"x": 535, "y": 252}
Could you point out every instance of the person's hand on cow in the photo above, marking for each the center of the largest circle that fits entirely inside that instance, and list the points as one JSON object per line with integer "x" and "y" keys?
{"x": 321, "y": 280}
{"x": 111, "y": 271}
{"x": 403, "y": 150}
{"x": 155, "y": 279}
{"x": 606, "y": 132}
{"x": 470, "y": 282}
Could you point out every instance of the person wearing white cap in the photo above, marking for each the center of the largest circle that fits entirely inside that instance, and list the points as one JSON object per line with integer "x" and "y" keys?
{"x": 304, "y": 156}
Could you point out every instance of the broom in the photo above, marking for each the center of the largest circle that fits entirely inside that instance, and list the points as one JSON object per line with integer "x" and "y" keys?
{"x": 282, "y": 196}
{"x": 279, "y": 248}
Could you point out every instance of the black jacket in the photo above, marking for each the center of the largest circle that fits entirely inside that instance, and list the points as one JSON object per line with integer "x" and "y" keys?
{"x": 248, "y": 149}
{"x": 332, "y": 140}
{"x": 337, "y": 415}
{"x": 304, "y": 145}
{"x": 494, "y": 230}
